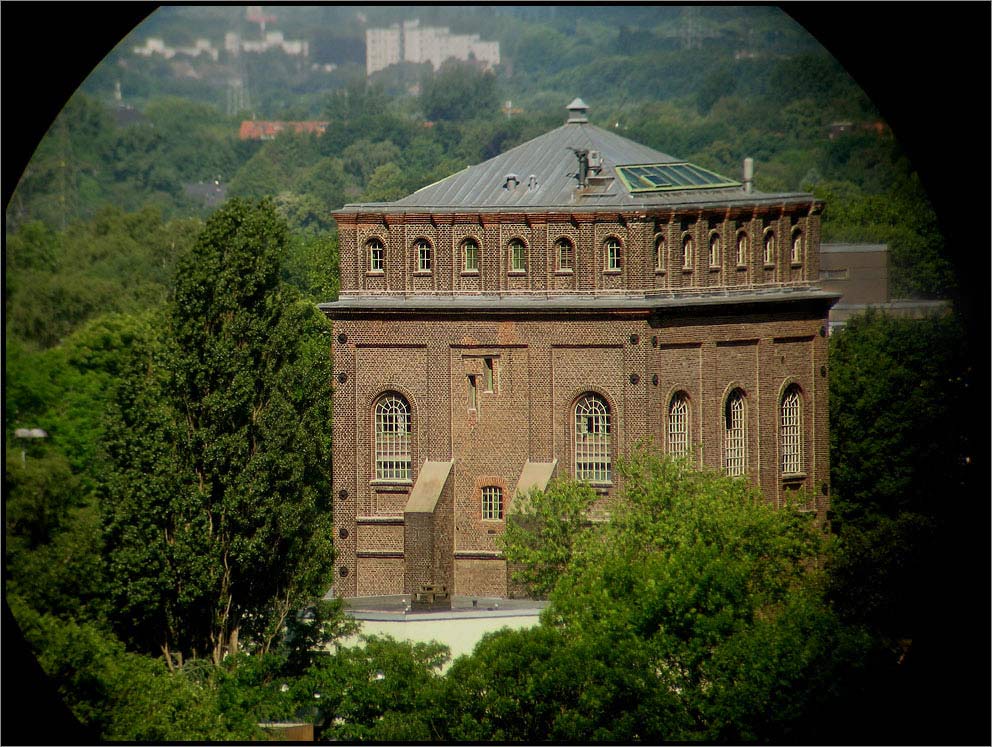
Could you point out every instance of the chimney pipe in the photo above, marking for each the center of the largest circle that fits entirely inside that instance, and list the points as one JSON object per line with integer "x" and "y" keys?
{"x": 748, "y": 173}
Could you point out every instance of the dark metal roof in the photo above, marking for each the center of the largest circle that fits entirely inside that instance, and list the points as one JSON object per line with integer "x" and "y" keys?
{"x": 543, "y": 172}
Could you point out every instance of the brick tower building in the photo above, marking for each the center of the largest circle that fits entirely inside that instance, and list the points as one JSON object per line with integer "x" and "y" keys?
{"x": 541, "y": 313}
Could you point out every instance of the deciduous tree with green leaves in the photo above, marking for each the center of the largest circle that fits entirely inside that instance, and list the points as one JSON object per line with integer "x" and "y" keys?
{"x": 216, "y": 519}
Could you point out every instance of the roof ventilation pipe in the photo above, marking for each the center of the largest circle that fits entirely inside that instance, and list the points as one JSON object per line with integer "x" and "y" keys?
{"x": 748, "y": 173}
{"x": 511, "y": 178}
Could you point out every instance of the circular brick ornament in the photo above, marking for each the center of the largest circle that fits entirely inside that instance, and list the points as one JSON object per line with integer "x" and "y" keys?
{"x": 634, "y": 339}
{"x": 634, "y": 378}
{"x": 342, "y": 377}
{"x": 654, "y": 379}
{"x": 343, "y": 571}
{"x": 343, "y": 533}
{"x": 343, "y": 495}
{"x": 342, "y": 338}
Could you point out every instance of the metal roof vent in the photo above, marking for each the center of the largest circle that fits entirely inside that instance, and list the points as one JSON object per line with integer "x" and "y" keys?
{"x": 577, "y": 111}
{"x": 511, "y": 178}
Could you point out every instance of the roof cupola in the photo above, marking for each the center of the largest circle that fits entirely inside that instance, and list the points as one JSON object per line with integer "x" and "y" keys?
{"x": 577, "y": 111}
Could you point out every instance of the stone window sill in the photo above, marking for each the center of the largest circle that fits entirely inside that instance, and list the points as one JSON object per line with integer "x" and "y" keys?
{"x": 612, "y": 272}
{"x": 563, "y": 272}
{"x": 422, "y": 273}
{"x": 374, "y": 273}
{"x": 391, "y": 485}
{"x": 469, "y": 273}
{"x": 517, "y": 273}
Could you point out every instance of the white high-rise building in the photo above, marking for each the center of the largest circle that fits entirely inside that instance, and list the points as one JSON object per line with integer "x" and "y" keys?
{"x": 412, "y": 42}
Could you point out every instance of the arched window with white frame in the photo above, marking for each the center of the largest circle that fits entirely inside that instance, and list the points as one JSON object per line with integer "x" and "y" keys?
{"x": 659, "y": 254}
{"x": 613, "y": 254}
{"x": 715, "y": 250}
{"x": 377, "y": 254}
{"x": 678, "y": 425}
{"x": 797, "y": 247}
{"x": 770, "y": 248}
{"x": 392, "y": 438}
{"x": 424, "y": 255}
{"x": 518, "y": 255}
{"x": 592, "y": 439}
{"x": 688, "y": 248}
{"x": 470, "y": 255}
{"x": 735, "y": 433}
{"x": 566, "y": 255}
{"x": 791, "y": 431}
{"x": 742, "y": 249}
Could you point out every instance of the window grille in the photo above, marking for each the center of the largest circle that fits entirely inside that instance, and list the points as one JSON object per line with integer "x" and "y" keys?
{"x": 613, "y": 257}
{"x": 471, "y": 253}
{"x": 592, "y": 439}
{"x": 742, "y": 249}
{"x": 792, "y": 441}
{"x": 376, "y": 253}
{"x": 769, "y": 249}
{"x": 565, "y": 254}
{"x": 659, "y": 254}
{"x": 392, "y": 439}
{"x": 797, "y": 247}
{"x": 678, "y": 426}
{"x": 687, "y": 249}
{"x": 735, "y": 438}
{"x": 423, "y": 256}
{"x": 492, "y": 503}
{"x": 714, "y": 251}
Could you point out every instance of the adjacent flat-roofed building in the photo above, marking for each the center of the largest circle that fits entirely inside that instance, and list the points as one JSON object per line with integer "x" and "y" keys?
{"x": 540, "y": 314}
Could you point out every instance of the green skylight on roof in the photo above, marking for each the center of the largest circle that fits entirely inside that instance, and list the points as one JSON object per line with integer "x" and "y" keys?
{"x": 664, "y": 177}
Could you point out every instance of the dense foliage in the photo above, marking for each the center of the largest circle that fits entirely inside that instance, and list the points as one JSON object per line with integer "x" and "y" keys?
{"x": 179, "y": 369}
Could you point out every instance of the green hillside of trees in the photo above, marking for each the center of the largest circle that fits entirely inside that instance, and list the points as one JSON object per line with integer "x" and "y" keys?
{"x": 159, "y": 289}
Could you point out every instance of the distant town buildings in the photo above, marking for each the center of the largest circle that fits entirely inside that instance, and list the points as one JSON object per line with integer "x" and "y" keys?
{"x": 234, "y": 44}
{"x": 156, "y": 46}
{"x": 257, "y": 130}
{"x": 411, "y": 42}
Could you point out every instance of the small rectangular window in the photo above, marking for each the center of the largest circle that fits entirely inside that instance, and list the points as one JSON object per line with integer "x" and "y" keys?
{"x": 472, "y": 393}
{"x": 487, "y": 374}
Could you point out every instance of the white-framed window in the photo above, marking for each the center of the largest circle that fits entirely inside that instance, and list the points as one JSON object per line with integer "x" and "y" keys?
{"x": 614, "y": 255}
{"x": 688, "y": 249}
{"x": 518, "y": 255}
{"x": 659, "y": 254}
{"x": 492, "y": 503}
{"x": 566, "y": 255}
{"x": 424, "y": 255}
{"x": 470, "y": 255}
{"x": 770, "y": 248}
{"x": 797, "y": 247}
{"x": 377, "y": 253}
{"x": 392, "y": 438}
{"x": 735, "y": 434}
{"x": 715, "y": 250}
{"x": 791, "y": 431}
{"x": 678, "y": 425}
{"x": 742, "y": 249}
{"x": 592, "y": 439}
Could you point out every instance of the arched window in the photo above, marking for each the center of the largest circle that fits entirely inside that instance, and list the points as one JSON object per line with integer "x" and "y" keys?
{"x": 715, "y": 250}
{"x": 687, "y": 252}
{"x": 470, "y": 255}
{"x": 614, "y": 259}
{"x": 678, "y": 425}
{"x": 742, "y": 249}
{"x": 659, "y": 254}
{"x": 792, "y": 435}
{"x": 566, "y": 254}
{"x": 770, "y": 248}
{"x": 423, "y": 249}
{"x": 592, "y": 439}
{"x": 392, "y": 438}
{"x": 492, "y": 503}
{"x": 797, "y": 247}
{"x": 518, "y": 255}
{"x": 735, "y": 434}
{"x": 377, "y": 253}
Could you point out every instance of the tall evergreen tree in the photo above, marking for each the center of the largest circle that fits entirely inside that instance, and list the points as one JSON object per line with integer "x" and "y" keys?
{"x": 217, "y": 520}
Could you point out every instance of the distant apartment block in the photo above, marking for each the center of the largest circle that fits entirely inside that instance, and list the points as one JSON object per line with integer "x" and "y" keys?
{"x": 156, "y": 46}
{"x": 411, "y": 42}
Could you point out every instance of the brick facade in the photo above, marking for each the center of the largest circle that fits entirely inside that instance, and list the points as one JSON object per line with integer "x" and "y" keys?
{"x": 491, "y": 360}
